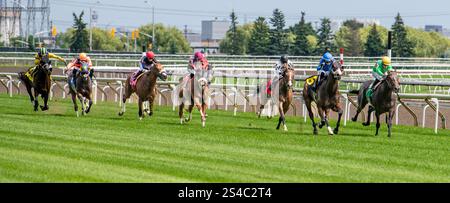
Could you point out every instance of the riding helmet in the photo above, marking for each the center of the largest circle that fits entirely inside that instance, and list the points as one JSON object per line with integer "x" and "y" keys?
{"x": 284, "y": 59}
{"x": 386, "y": 60}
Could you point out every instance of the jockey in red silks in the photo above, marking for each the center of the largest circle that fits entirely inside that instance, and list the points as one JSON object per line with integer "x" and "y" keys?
{"x": 145, "y": 63}
{"x": 199, "y": 57}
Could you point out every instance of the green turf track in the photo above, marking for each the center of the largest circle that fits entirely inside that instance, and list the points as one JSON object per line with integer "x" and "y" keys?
{"x": 55, "y": 146}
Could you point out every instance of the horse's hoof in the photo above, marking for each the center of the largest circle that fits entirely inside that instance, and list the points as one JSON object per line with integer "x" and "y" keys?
{"x": 315, "y": 132}
{"x": 366, "y": 124}
{"x": 203, "y": 124}
{"x": 181, "y": 121}
{"x": 285, "y": 129}
{"x": 120, "y": 113}
{"x": 150, "y": 114}
{"x": 336, "y": 131}
{"x": 78, "y": 114}
{"x": 354, "y": 119}
{"x": 140, "y": 118}
{"x": 330, "y": 131}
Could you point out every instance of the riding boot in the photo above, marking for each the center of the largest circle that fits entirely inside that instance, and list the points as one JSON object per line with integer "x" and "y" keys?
{"x": 370, "y": 90}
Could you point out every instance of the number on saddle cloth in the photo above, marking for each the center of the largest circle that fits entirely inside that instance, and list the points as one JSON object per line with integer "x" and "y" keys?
{"x": 311, "y": 80}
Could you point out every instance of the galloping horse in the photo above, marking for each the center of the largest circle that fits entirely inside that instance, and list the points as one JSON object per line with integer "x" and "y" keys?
{"x": 41, "y": 84}
{"x": 145, "y": 88}
{"x": 327, "y": 98}
{"x": 383, "y": 100}
{"x": 194, "y": 92}
{"x": 284, "y": 93}
{"x": 83, "y": 90}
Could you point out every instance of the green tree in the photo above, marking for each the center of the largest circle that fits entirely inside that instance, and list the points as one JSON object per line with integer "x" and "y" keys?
{"x": 234, "y": 44}
{"x": 102, "y": 40}
{"x": 278, "y": 36}
{"x": 79, "y": 40}
{"x": 374, "y": 45}
{"x": 260, "y": 37}
{"x": 325, "y": 36}
{"x": 302, "y": 30}
{"x": 170, "y": 39}
{"x": 31, "y": 45}
{"x": 428, "y": 44}
{"x": 243, "y": 35}
{"x": 401, "y": 45}
{"x": 348, "y": 37}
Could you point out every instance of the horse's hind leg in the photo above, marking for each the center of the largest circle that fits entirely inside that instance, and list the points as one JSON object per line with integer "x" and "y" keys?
{"x": 369, "y": 114}
{"x": 126, "y": 95}
{"x": 89, "y": 104}
{"x": 362, "y": 102}
{"x": 311, "y": 116}
{"x": 181, "y": 112}
{"x": 326, "y": 116}
{"x": 322, "y": 117}
{"x": 81, "y": 98}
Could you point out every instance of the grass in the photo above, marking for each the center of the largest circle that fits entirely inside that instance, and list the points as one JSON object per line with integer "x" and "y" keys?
{"x": 55, "y": 146}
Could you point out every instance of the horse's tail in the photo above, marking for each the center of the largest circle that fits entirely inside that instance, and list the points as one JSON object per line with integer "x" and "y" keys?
{"x": 354, "y": 92}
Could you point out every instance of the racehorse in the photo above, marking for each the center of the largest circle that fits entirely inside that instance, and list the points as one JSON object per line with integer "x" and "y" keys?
{"x": 327, "y": 98}
{"x": 194, "y": 91}
{"x": 284, "y": 93}
{"x": 41, "y": 84}
{"x": 83, "y": 90}
{"x": 145, "y": 88}
{"x": 383, "y": 100}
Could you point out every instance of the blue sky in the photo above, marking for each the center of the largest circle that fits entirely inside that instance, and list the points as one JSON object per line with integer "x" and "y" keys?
{"x": 133, "y": 13}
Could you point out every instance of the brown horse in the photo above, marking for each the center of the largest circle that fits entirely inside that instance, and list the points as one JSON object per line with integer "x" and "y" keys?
{"x": 145, "y": 88}
{"x": 41, "y": 84}
{"x": 383, "y": 100}
{"x": 328, "y": 98}
{"x": 285, "y": 95}
{"x": 83, "y": 90}
{"x": 192, "y": 92}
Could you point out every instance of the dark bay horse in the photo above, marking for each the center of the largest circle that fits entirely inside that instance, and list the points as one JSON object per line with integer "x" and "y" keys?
{"x": 41, "y": 84}
{"x": 383, "y": 100}
{"x": 194, "y": 92}
{"x": 145, "y": 88}
{"x": 83, "y": 90}
{"x": 328, "y": 98}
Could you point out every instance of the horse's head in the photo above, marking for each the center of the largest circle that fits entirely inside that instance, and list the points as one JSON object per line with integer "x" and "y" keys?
{"x": 393, "y": 81}
{"x": 288, "y": 74}
{"x": 158, "y": 69}
{"x": 84, "y": 70}
{"x": 338, "y": 70}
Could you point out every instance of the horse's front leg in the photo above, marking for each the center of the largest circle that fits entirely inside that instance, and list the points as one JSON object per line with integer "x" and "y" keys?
{"x": 36, "y": 103}
{"x": 340, "y": 112}
{"x": 140, "y": 113}
{"x": 377, "y": 116}
{"x": 75, "y": 105}
{"x": 89, "y": 104}
{"x": 81, "y": 98}
{"x": 45, "y": 97}
{"x": 326, "y": 116}
{"x": 280, "y": 108}
{"x": 389, "y": 123}
{"x": 322, "y": 116}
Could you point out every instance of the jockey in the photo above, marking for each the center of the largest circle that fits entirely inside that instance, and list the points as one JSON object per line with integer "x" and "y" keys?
{"x": 198, "y": 56}
{"x": 43, "y": 56}
{"x": 145, "y": 63}
{"x": 324, "y": 68}
{"x": 379, "y": 72}
{"x": 75, "y": 66}
{"x": 278, "y": 72}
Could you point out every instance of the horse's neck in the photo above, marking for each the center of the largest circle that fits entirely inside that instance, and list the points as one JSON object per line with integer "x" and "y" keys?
{"x": 387, "y": 93}
{"x": 331, "y": 85}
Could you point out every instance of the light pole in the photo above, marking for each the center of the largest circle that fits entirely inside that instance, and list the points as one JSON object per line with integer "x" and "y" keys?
{"x": 90, "y": 26}
{"x": 153, "y": 23}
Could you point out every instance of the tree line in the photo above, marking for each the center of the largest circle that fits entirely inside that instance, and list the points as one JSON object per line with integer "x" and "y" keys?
{"x": 272, "y": 37}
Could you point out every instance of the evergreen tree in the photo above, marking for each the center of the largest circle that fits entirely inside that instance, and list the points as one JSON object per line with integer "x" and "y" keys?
{"x": 373, "y": 46}
{"x": 325, "y": 37}
{"x": 31, "y": 45}
{"x": 302, "y": 46}
{"x": 278, "y": 41}
{"x": 260, "y": 37}
{"x": 401, "y": 45}
{"x": 353, "y": 38}
{"x": 80, "y": 41}
{"x": 233, "y": 43}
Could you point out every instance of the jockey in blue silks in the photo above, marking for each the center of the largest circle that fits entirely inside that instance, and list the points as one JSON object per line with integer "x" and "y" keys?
{"x": 324, "y": 68}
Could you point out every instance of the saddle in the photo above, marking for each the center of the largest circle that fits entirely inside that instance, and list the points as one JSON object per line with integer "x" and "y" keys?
{"x": 134, "y": 82}
{"x": 269, "y": 88}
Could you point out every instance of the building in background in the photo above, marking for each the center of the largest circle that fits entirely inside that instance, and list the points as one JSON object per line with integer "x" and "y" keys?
{"x": 9, "y": 25}
{"x": 213, "y": 31}
{"x": 434, "y": 28}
